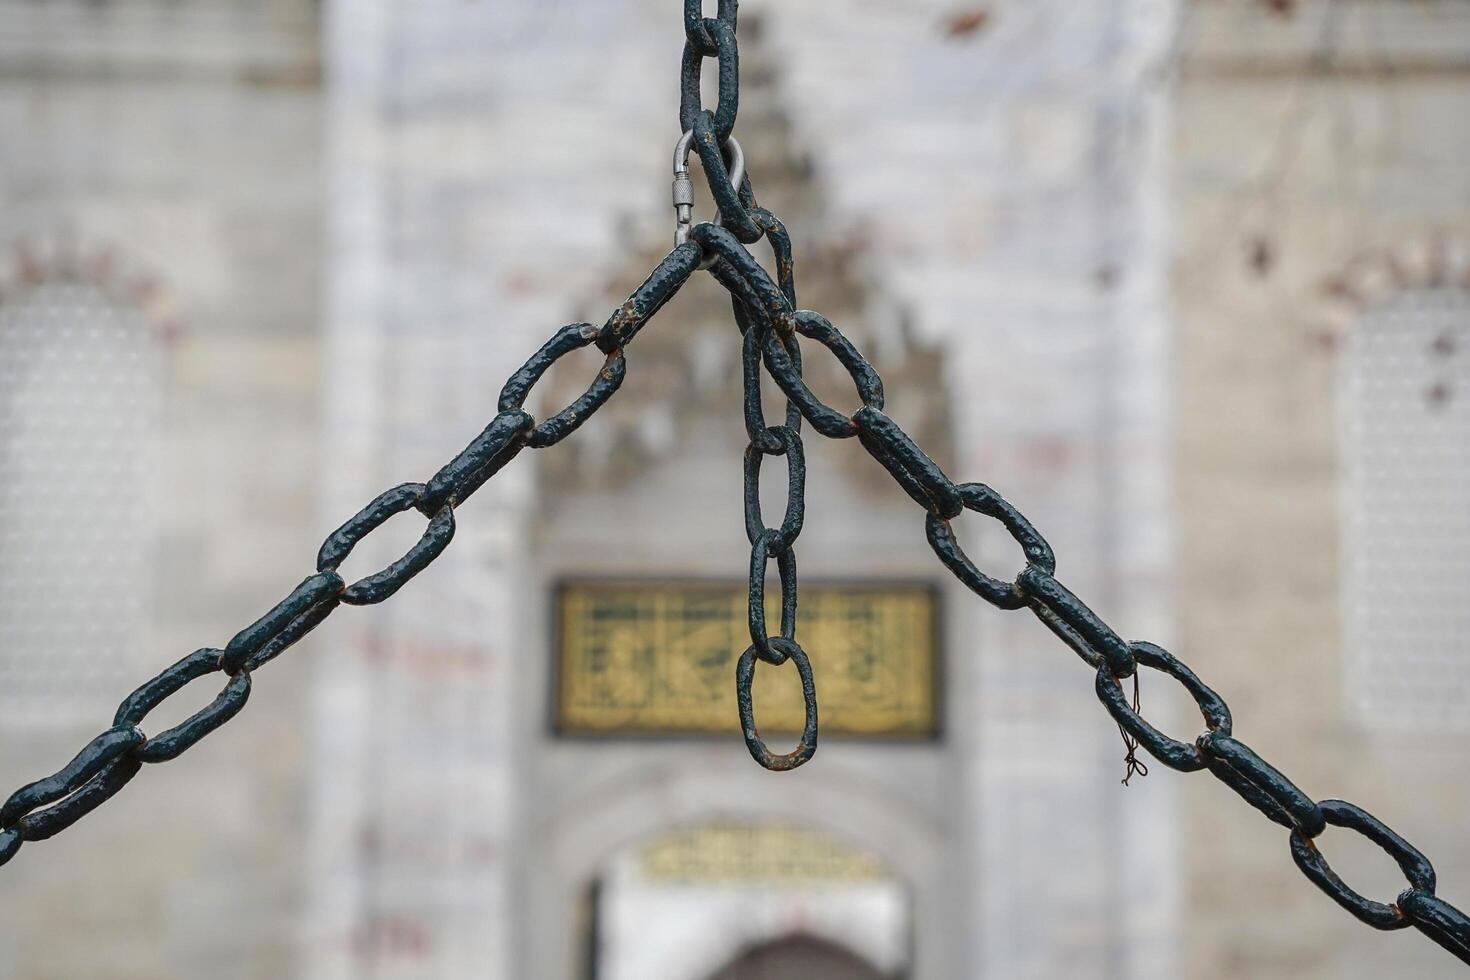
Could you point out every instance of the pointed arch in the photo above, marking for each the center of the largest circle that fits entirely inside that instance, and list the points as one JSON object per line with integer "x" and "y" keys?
{"x": 800, "y": 955}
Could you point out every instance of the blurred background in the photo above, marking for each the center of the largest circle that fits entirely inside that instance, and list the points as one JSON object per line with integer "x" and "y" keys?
{"x": 1186, "y": 280}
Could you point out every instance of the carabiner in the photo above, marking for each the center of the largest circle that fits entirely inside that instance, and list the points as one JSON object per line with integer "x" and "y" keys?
{"x": 684, "y": 187}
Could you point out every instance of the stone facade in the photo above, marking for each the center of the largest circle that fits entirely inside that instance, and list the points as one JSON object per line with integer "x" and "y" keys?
{"x": 166, "y": 158}
{"x": 344, "y": 229}
{"x": 1318, "y": 168}
{"x": 449, "y": 251}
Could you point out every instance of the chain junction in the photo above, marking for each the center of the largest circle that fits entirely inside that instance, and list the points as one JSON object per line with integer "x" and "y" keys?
{"x": 771, "y": 327}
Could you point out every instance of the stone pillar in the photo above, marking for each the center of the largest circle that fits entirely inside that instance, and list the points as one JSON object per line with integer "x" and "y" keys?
{"x": 479, "y": 158}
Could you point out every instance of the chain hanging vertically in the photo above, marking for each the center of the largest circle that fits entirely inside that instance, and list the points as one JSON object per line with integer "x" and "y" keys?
{"x": 770, "y": 327}
{"x": 762, "y": 313}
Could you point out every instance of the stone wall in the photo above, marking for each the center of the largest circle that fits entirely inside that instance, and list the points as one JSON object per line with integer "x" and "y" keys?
{"x": 1313, "y": 154}
{"x": 170, "y": 154}
{"x": 987, "y": 193}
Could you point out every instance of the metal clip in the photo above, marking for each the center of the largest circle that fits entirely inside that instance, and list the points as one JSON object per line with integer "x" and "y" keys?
{"x": 684, "y": 187}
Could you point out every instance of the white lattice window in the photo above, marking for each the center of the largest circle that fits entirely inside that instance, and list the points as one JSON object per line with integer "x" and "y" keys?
{"x": 1405, "y": 407}
{"x": 80, "y": 399}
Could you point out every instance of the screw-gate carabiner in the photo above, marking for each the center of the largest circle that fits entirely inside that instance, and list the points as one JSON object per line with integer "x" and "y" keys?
{"x": 684, "y": 187}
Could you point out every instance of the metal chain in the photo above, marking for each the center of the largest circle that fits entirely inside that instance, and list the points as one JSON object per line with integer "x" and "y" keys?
{"x": 1114, "y": 659}
{"x": 770, "y": 326}
{"x": 48, "y": 806}
{"x": 772, "y": 543}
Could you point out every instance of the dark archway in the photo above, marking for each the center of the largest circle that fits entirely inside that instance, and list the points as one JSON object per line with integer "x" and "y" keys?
{"x": 798, "y": 958}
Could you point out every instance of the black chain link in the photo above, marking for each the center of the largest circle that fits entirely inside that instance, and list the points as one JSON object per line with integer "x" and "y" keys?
{"x": 771, "y": 325}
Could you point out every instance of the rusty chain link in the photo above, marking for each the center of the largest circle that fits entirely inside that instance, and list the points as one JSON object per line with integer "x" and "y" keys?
{"x": 770, "y": 325}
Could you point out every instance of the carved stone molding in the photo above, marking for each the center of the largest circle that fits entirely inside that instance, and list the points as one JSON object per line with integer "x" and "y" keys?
{"x": 61, "y": 256}
{"x": 1438, "y": 260}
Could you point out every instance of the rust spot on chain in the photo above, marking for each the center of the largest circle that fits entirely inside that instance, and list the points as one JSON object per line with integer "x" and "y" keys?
{"x": 626, "y": 315}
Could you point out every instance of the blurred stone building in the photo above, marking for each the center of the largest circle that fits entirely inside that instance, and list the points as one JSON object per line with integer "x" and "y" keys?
{"x": 1321, "y": 217}
{"x": 1185, "y": 281}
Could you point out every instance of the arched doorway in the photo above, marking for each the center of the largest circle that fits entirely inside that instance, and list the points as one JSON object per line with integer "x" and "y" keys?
{"x": 749, "y": 900}
{"x": 798, "y": 958}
